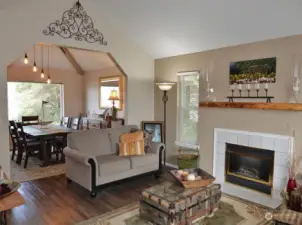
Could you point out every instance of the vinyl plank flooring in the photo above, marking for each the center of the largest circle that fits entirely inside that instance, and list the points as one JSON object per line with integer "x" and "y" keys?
{"x": 51, "y": 201}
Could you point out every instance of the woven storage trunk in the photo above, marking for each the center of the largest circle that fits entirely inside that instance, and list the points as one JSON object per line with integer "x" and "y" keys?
{"x": 170, "y": 204}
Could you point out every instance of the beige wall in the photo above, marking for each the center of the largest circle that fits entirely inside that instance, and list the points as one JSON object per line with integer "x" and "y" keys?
{"x": 72, "y": 81}
{"x": 91, "y": 86}
{"x": 278, "y": 122}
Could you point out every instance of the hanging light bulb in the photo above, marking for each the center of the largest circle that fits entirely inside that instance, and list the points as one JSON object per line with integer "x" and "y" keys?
{"x": 42, "y": 56}
{"x": 48, "y": 80}
{"x": 42, "y": 73}
{"x": 25, "y": 59}
{"x": 35, "y": 65}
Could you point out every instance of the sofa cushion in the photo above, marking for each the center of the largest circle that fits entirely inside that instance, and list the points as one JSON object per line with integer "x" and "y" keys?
{"x": 148, "y": 158}
{"x": 114, "y": 136}
{"x": 95, "y": 142}
{"x": 112, "y": 164}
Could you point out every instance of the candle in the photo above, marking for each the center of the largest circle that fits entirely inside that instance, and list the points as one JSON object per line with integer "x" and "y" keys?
{"x": 207, "y": 74}
{"x": 248, "y": 86}
{"x": 266, "y": 86}
{"x": 257, "y": 86}
{"x": 232, "y": 87}
{"x": 239, "y": 86}
{"x": 296, "y": 69}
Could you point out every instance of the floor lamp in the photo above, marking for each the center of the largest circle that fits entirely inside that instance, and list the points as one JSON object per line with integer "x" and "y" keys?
{"x": 165, "y": 87}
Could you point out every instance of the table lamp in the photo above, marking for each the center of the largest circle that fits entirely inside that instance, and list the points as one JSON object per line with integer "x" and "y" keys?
{"x": 113, "y": 97}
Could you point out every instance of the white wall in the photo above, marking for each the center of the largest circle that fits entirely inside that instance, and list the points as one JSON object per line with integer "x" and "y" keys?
{"x": 22, "y": 25}
{"x": 91, "y": 86}
{"x": 72, "y": 81}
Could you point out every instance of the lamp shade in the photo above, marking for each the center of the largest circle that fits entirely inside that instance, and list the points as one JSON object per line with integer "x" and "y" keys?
{"x": 113, "y": 95}
{"x": 165, "y": 86}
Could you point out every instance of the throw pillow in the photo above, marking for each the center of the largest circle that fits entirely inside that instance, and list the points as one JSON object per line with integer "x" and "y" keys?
{"x": 148, "y": 141}
{"x": 132, "y": 144}
{"x": 132, "y": 148}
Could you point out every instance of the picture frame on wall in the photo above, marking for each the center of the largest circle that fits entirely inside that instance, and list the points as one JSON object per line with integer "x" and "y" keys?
{"x": 156, "y": 128}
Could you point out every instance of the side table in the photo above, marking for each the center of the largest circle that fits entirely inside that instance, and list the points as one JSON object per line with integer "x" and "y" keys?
{"x": 9, "y": 202}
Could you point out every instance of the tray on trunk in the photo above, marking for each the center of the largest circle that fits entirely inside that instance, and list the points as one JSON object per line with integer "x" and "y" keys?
{"x": 204, "y": 178}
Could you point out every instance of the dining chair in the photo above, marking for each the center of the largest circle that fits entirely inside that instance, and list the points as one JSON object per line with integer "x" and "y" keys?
{"x": 65, "y": 121}
{"x": 83, "y": 124}
{"x": 30, "y": 120}
{"x": 13, "y": 133}
{"x": 58, "y": 143}
{"x": 74, "y": 123}
{"x": 30, "y": 148}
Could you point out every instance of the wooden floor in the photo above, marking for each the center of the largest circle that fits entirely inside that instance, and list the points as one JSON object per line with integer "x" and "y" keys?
{"x": 52, "y": 201}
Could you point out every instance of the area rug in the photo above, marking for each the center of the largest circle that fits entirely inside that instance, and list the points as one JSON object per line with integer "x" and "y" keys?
{"x": 34, "y": 171}
{"x": 231, "y": 212}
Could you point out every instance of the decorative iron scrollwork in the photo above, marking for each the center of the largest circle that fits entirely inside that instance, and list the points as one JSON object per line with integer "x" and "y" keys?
{"x": 75, "y": 23}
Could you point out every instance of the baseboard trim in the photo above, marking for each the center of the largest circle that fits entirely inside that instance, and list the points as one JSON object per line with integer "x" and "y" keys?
{"x": 172, "y": 165}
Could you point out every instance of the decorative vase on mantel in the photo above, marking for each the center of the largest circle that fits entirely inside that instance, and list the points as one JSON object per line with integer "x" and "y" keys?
{"x": 209, "y": 97}
{"x": 295, "y": 91}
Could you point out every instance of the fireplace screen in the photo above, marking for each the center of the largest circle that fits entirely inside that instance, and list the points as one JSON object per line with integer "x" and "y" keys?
{"x": 249, "y": 167}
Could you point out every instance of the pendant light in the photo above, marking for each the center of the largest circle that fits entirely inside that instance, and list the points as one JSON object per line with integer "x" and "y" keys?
{"x": 42, "y": 56}
{"x": 48, "y": 79}
{"x": 35, "y": 65}
{"x": 25, "y": 59}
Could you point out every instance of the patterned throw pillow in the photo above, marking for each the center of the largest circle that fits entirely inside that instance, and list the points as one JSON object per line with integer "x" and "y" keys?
{"x": 132, "y": 144}
{"x": 148, "y": 141}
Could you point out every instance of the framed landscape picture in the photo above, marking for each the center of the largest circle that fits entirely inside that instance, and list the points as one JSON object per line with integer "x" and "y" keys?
{"x": 253, "y": 71}
{"x": 156, "y": 128}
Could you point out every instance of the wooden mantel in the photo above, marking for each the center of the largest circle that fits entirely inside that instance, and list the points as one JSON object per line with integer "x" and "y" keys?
{"x": 253, "y": 105}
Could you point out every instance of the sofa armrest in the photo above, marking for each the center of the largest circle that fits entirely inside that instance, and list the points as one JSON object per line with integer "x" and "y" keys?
{"x": 159, "y": 149}
{"x": 156, "y": 147}
{"x": 78, "y": 156}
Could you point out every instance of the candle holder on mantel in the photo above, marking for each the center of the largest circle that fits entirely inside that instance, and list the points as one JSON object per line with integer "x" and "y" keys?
{"x": 249, "y": 96}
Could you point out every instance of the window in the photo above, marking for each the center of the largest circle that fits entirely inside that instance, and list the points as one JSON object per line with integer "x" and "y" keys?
{"x": 25, "y": 99}
{"x": 188, "y": 102}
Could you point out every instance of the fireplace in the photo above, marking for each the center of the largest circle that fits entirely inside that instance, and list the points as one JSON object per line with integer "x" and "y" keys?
{"x": 249, "y": 167}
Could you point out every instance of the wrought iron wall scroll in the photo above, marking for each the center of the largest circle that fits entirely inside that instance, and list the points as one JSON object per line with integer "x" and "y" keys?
{"x": 76, "y": 24}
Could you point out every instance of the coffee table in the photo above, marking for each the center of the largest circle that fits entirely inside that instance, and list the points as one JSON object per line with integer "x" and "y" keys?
{"x": 170, "y": 204}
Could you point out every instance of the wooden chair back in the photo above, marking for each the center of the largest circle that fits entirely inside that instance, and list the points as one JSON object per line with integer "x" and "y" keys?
{"x": 21, "y": 135}
{"x": 13, "y": 132}
{"x": 65, "y": 122}
{"x": 83, "y": 124}
{"x": 30, "y": 120}
{"x": 74, "y": 123}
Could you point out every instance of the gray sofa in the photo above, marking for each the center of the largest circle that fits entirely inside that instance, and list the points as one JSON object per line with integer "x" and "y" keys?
{"x": 92, "y": 158}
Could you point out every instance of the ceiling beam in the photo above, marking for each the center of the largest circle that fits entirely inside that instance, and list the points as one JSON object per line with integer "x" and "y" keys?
{"x": 72, "y": 60}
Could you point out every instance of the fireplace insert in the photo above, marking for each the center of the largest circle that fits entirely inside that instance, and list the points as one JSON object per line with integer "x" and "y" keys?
{"x": 250, "y": 167}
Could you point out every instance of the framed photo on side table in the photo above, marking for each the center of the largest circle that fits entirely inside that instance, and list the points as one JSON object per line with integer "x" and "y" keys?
{"x": 156, "y": 128}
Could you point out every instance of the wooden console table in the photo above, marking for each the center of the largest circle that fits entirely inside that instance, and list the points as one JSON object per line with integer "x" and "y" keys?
{"x": 9, "y": 202}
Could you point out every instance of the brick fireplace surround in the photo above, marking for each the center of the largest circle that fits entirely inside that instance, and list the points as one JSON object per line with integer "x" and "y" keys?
{"x": 282, "y": 147}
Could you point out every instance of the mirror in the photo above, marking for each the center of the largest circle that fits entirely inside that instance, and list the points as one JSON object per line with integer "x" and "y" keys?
{"x": 108, "y": 84}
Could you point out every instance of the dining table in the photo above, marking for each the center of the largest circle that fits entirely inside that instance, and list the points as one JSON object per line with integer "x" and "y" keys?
{"x": 44, "y": 133}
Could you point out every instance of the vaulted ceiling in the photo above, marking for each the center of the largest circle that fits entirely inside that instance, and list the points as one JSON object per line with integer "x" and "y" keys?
{"x": 87, "y": 61}
{"x": 171, "y": 27}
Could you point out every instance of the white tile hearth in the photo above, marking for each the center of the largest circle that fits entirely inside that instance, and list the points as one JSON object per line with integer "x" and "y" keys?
{"x": 281, "y": 145}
